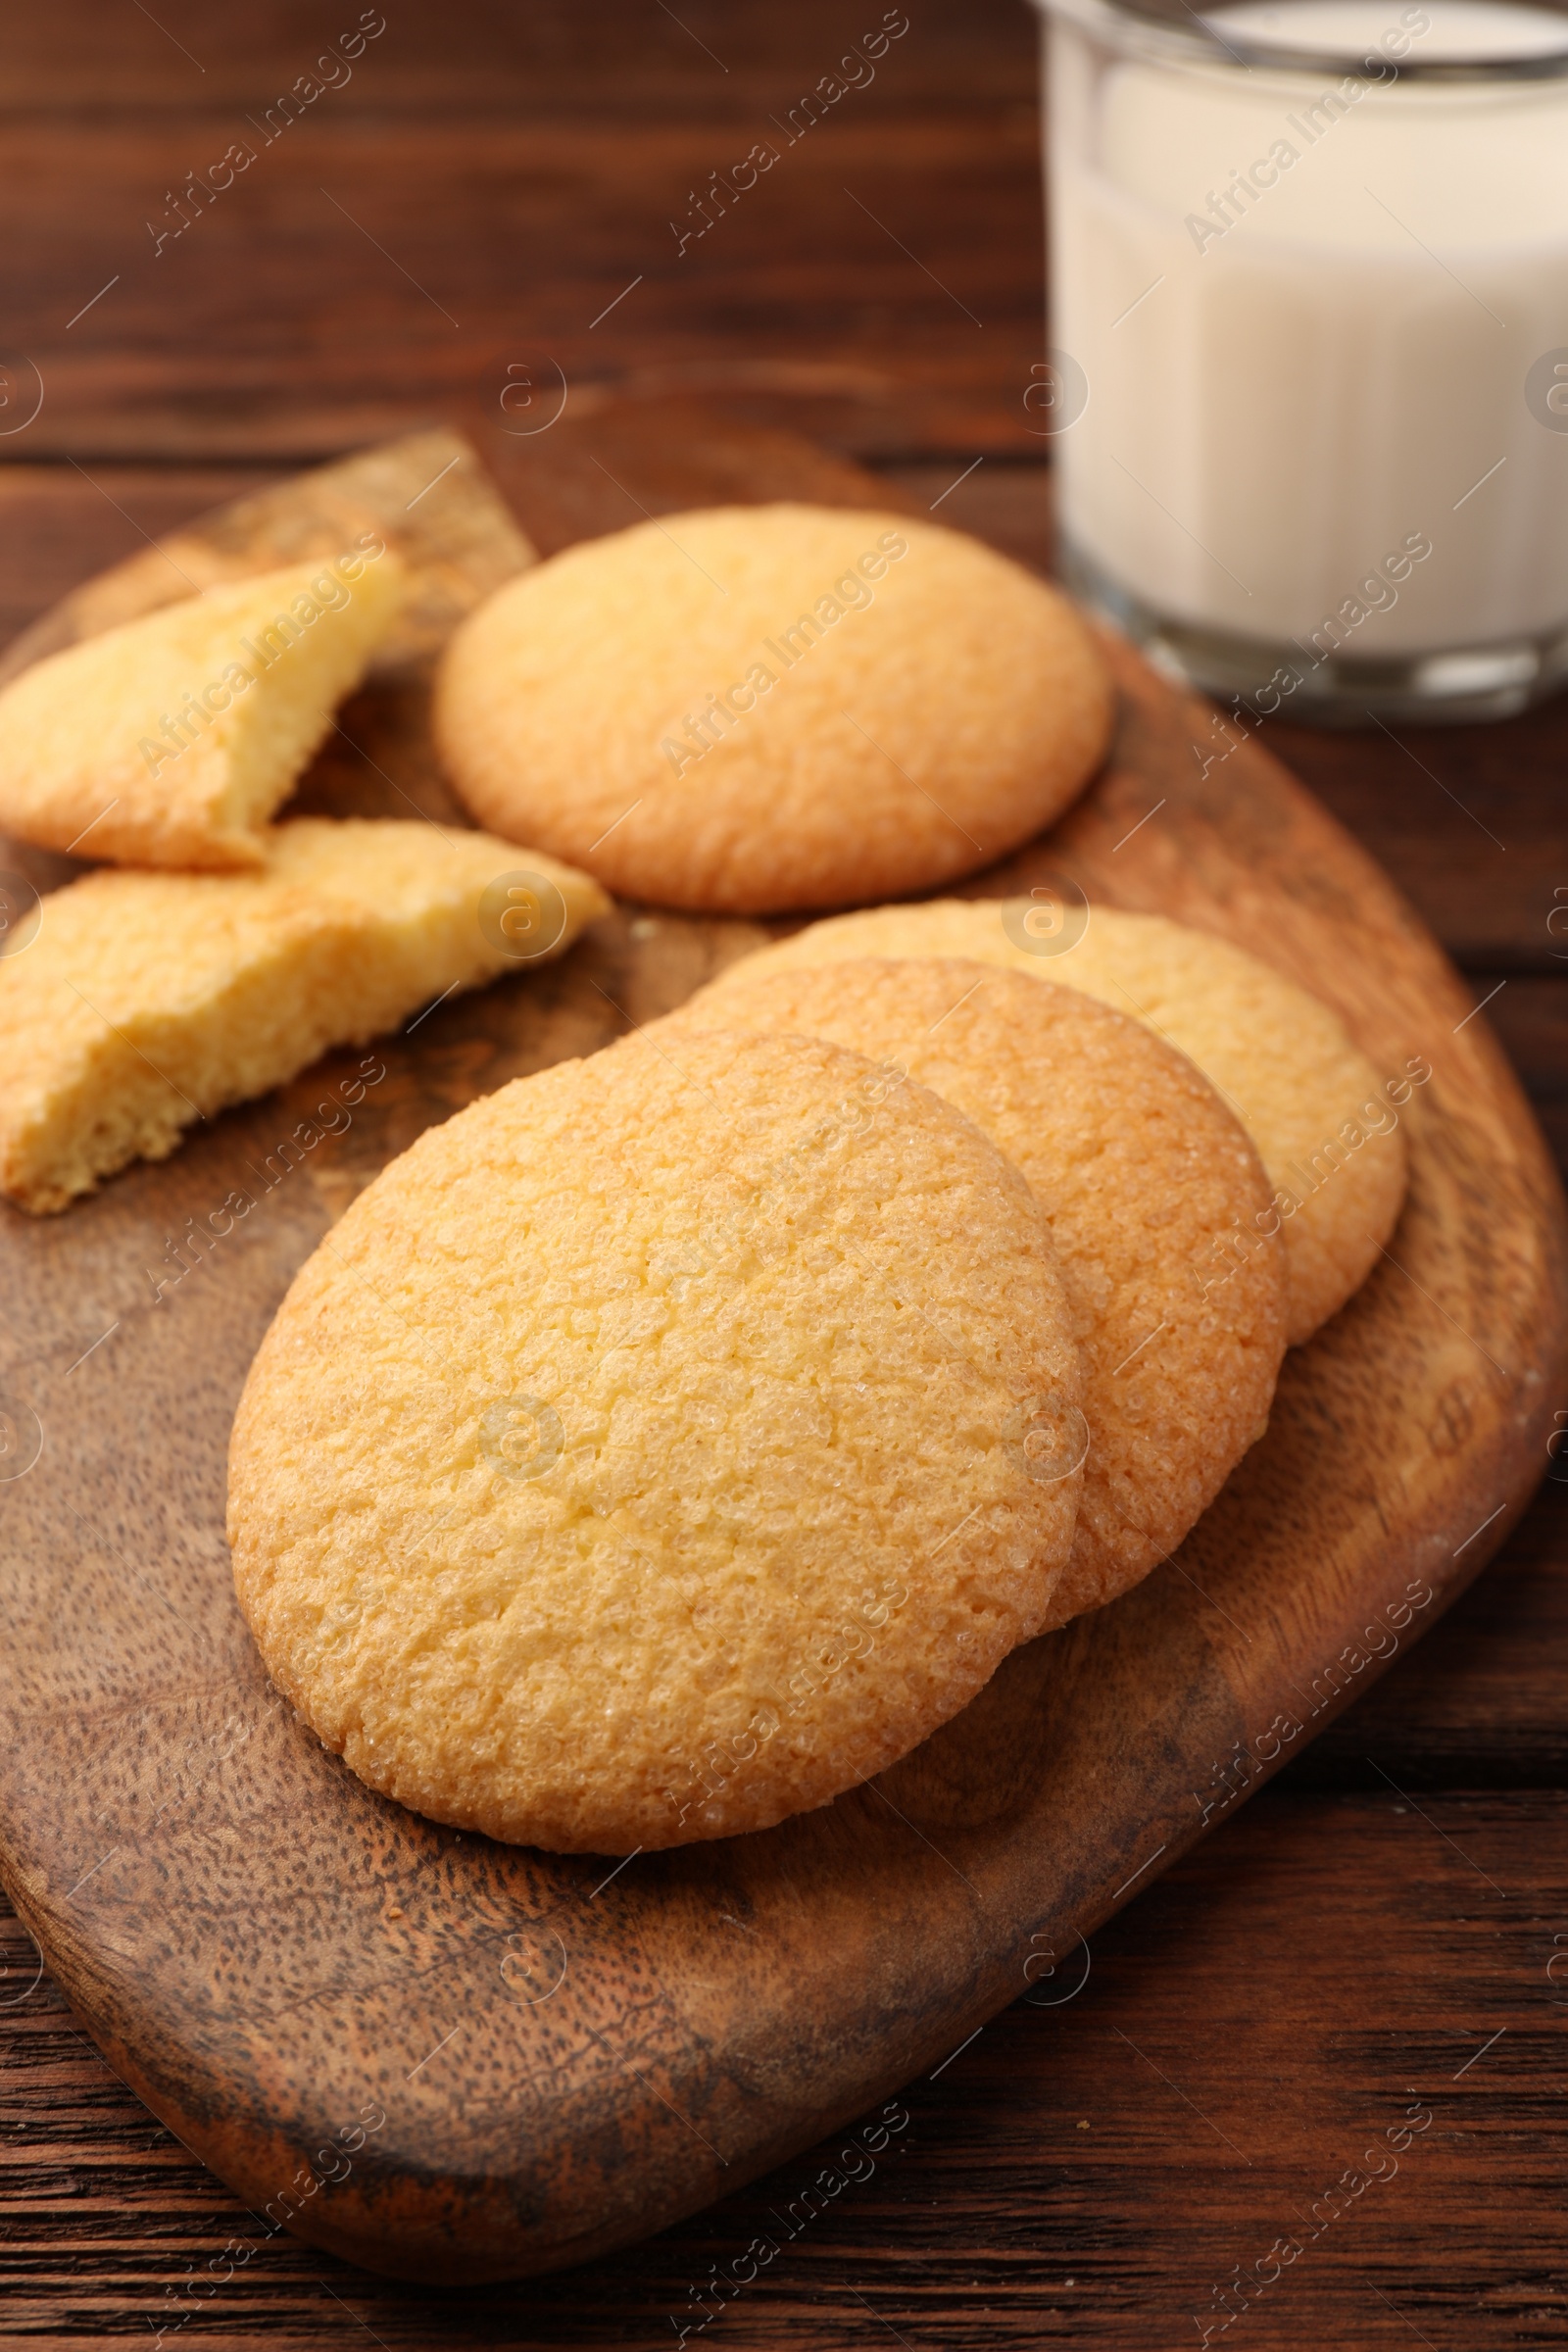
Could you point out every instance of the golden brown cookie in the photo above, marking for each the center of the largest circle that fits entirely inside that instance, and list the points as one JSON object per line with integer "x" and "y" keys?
{"x": 665, "y": 1444}
{"x": 1325, "y": 1123}
{"x": 1139, "y": 1167}
{"x": 756, "y": 707}
{"x": 146, "y": 1001}
{"x": 170, "y": 740}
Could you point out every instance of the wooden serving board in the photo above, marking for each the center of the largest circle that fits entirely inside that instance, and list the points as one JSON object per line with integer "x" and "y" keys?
{"x": 452, "y": 2060}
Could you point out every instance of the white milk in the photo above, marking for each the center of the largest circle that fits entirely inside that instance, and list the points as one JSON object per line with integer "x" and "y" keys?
{"x": 1307, "y": 386}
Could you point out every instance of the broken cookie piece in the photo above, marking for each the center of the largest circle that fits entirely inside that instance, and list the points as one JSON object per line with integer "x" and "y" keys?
{"x": 148, "y": 1000}
{"x": 171, "y": 740}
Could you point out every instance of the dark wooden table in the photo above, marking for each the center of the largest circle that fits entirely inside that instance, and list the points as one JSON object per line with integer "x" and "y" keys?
{"x": 488, "y": 204}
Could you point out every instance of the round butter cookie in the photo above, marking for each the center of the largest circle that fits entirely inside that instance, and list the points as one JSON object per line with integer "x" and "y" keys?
{"x": 1326, "y": 1126}
{"x": 663, "y": 1445}
{"x": 1144, "y": 1178}
{"x": 761, "y": 708}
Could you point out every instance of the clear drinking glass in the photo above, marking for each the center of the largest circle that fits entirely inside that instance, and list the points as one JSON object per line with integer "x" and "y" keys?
{"x": 1310, "y": 389}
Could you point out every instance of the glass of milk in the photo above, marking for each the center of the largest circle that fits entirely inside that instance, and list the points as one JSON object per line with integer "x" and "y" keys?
{"x": 1308, "y": 394}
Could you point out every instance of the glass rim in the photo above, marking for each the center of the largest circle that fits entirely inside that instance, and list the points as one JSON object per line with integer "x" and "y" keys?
{"x": 1147, "y": 30}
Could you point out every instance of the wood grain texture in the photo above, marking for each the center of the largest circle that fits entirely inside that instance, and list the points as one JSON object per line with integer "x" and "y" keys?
{"x": 323, "y": 298}
{"x": 1089, "y": 2174}
{"x": 624, "y": 62}
{"x": 454, "y": 535}
{"x": 58, "y": 526}
{"x": 267, "y": 1952}
{"x": 1479, "y": 1704}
